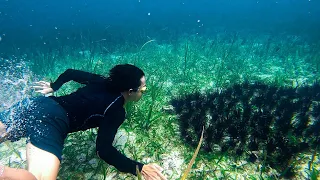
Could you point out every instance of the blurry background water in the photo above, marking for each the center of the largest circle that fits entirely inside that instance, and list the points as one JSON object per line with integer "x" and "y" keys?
{"x": 41, "y": 25}
{"x": 182, "y": 45}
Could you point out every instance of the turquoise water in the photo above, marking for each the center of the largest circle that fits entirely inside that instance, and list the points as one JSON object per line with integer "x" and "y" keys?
{"x": 185, "y": 48}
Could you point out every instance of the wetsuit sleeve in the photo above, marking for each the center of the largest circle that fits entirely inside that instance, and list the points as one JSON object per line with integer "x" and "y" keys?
{"x": 77, "y": 76}
{"x": 105, "y": 150}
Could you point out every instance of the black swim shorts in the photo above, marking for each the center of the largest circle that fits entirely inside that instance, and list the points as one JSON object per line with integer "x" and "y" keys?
{"x": 41, "y": 120}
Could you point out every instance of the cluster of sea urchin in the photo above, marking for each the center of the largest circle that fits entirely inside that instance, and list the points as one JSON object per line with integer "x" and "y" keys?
{"x": 273, "y": 122}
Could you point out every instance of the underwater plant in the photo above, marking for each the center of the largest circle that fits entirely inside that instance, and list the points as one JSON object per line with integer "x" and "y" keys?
{"x": 262, "y": 122}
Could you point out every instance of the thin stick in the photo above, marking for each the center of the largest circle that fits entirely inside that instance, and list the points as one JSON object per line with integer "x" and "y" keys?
{"x": 139, "y": 54}
{"x": 138, "y": 173}
{"x": 185, "y": 174}
{"x": 146, "y": 44}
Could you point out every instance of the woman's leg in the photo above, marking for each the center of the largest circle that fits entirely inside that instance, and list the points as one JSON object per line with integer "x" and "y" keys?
{"x": 42, "y": 165}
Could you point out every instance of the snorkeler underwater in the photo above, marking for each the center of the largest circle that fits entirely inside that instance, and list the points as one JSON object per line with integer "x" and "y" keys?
{"x": 156, "y": 90}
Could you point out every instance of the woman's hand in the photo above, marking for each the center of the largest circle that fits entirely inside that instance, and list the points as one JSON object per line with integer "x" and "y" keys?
{"x": 152, "y": 172}
{"x": 43, "y": 87}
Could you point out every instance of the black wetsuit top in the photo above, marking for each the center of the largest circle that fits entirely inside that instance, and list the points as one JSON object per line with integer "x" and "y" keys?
{"x": 86, "y": 109}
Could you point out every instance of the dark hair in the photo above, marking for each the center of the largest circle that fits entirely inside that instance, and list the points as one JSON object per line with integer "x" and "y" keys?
{"x": 123, "y": 77}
